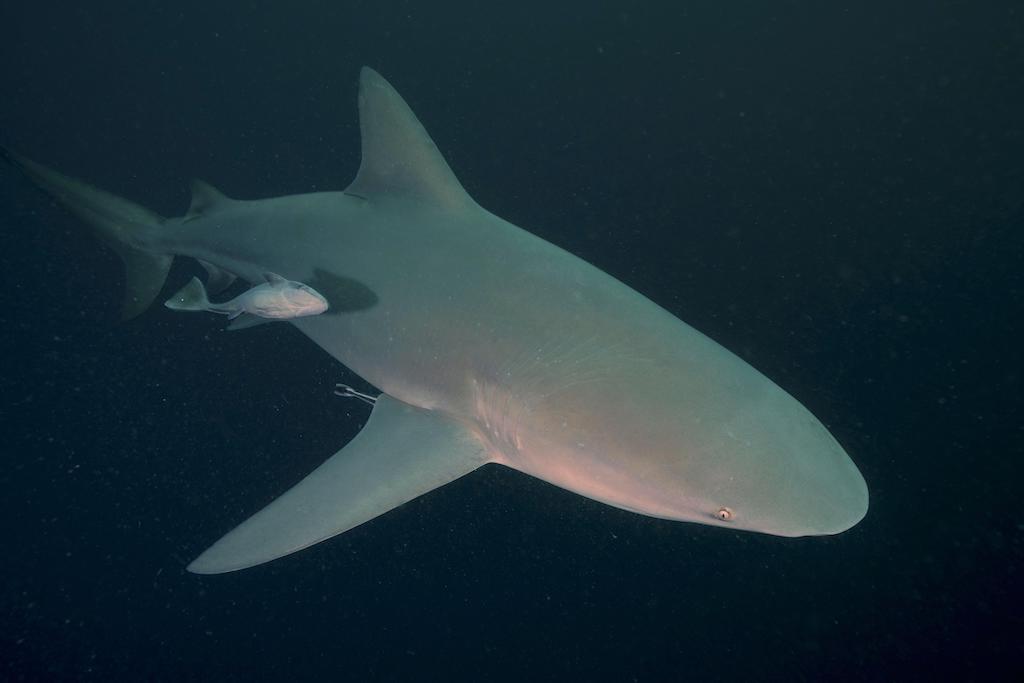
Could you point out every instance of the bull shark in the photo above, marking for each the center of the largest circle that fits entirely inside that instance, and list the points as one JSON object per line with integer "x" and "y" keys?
{"x": 488, "y": 345}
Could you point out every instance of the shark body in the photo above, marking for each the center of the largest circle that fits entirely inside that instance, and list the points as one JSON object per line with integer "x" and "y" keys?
{"x": 489, "y": 345}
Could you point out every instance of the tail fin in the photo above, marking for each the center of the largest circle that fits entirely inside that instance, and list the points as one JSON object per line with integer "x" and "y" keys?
{"x": 125, "y": 226}
{"x": 191, "y": 297}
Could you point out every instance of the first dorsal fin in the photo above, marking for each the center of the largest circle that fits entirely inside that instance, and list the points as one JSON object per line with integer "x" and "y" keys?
{"x": 399, "y": 158}
{"x": 205, "y": 198}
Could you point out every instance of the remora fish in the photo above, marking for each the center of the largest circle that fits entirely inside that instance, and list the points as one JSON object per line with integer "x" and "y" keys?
{"x": 490, "y": 345}
{"x": 274, "y": 299}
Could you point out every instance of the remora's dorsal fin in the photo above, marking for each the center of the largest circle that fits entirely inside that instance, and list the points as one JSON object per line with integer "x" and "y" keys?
{"x": 205, "y": 198}
{"x": 399, "y": 158}
{"x": 401, "y": 453}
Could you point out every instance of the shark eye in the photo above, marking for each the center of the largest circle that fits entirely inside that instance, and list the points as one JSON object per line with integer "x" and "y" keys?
{"x": 724, "y": 514}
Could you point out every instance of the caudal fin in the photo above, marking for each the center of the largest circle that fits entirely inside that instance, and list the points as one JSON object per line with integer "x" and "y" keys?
{"x": 127, "y": 227}
{"x": 191, "y": 297}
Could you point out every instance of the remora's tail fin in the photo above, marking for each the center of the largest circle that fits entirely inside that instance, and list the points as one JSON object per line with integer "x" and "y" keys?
{"x": 124, "y": 225}
{"x": 191, "y": 297}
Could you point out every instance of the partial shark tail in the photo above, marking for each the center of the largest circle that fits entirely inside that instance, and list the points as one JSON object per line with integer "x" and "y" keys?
{"x": 127, "y": 227}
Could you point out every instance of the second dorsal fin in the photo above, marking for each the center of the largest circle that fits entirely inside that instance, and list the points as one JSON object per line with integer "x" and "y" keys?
{"x": 205, "y": 198}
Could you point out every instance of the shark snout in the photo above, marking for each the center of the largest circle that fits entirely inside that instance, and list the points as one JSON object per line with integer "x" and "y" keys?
{"x": 826, "y": 494}
{"x": 838, "y": 505}
{"x": 788, "y": 476}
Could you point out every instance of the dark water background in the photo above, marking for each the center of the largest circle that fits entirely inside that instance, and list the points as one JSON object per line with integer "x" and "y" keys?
{"x": 832, "y": 190}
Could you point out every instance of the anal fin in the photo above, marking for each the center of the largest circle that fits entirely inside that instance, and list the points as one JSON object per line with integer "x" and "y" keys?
{"x": 217, "y": 279}
{"x": 401, "y": 453}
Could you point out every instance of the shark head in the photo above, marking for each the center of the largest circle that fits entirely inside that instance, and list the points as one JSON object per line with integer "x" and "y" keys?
{"x": 712, "y": 443}
{"x": 777, "y": 470}
{"x": 770, "y": 467}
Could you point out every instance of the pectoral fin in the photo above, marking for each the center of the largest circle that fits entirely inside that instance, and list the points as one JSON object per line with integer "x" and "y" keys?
{"x": 246, "y": 321}
{"x": 401, "y": 453}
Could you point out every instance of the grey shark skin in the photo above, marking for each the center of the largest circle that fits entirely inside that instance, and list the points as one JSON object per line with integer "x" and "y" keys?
{"x": 490, "y": 345}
